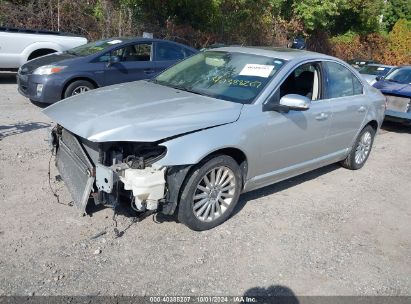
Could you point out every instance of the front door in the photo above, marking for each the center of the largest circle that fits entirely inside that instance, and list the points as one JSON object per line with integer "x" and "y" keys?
{"x": 296, "y": 139}
{"x": 135, "y": 63}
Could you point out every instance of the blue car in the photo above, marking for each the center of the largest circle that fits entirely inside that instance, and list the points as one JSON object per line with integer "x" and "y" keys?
{"x": 53, "y": 77}
{"x": 396, "y": 87}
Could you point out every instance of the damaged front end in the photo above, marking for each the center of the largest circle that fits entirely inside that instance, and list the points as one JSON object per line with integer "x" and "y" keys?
{"x": 110, "y": 170}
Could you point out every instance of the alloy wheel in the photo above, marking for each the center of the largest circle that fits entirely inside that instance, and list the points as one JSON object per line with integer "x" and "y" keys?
{"x": 363, "y": 148}
{"x": 80, "y": 90}
{"x": 214, "y": 194}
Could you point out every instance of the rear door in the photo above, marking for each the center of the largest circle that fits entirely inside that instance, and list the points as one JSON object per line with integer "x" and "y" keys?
{"x": 135, "y": 64}
{"x": 349, "y": 104}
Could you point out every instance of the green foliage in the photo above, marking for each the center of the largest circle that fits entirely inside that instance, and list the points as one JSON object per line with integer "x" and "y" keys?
{"x": 357, "y": 27}
{"x": 345, "y": 38}
{"x": 318, "y": 14}
{"x": 400, "y": 41}
{"x": 395, "y": 10}
{"x": 199, "y": 14}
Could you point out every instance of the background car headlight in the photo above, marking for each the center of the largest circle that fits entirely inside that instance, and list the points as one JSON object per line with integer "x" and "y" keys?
{"x": 48, "y": 70}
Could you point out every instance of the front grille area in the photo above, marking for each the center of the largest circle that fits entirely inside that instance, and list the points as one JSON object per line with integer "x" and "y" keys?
{"x": 399, "y": 104}
{"x": 75, "y": 168}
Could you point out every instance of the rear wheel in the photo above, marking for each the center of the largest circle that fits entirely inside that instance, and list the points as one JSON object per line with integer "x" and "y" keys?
{"x": 78, "y": 87}
{"x": 210, "y": 193}
{"x": 360, "y": 150}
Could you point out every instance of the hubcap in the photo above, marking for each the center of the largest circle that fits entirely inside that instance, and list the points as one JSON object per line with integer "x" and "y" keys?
{"x": 80, "y": 90}
{"x": 363, "y": 148}
{"x": 214, "y": 194}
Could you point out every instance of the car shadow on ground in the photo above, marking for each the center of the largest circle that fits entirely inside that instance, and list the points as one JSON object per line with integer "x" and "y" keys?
{"x": 8, "y": 78}
{"x": 280, "y": 186}
{"x": 124, "y": 208}
{"x": 18, "y": 128}
{"x": 397, "y": 127}
{"x": 272, "y": 294}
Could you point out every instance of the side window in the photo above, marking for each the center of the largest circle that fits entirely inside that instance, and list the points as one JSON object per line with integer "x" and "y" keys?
{"x": 304, "y": 80}
{"x": 104, "y": 58}
{"x": 137, "y": 52}
{"x": 341, "y": 81}
{"x": 169, "y": 52}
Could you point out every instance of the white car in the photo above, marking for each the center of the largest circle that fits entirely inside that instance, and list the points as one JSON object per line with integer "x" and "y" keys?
{"x": 17, "y": 46}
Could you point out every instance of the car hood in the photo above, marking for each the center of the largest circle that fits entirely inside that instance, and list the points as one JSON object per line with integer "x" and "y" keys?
{"x": 395, "y": 88}
{"x": 140, "y": 111}
{"x": 55, "y": 58}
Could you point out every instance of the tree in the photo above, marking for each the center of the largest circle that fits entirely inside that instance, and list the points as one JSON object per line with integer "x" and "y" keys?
{"x": 318, "y": 14}
{"x": 395, "y": 10}
{"x": 359, "y": 16}
{"x": 400, "y": 41}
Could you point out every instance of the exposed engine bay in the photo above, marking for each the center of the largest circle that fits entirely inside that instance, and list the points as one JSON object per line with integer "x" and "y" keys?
{"x": 111, "y": 170}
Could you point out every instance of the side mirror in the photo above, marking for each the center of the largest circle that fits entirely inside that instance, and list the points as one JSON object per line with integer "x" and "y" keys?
{"x": 286, "y": 103}
{"x": 295, "y": 102}
{"x": 112, "y": 60}
{"x": 378, "y": 78}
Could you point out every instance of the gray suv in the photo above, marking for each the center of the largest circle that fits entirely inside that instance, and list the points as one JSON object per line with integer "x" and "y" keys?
{"x": 222, "y": 122}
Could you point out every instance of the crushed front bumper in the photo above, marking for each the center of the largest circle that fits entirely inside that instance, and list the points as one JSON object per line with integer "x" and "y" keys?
{"x": 86, "y": 174}
{"x": 75, "y": 169}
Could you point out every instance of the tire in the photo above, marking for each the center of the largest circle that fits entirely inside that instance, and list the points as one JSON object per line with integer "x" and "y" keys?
{"x": 217, "y": 204}
{"x": 75, "y": 87}
{"x": 361, "y": 149}
{"x": 39, "y": 104}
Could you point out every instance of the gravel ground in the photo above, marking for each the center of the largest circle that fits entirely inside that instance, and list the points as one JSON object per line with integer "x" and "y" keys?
{"x": 328, "y": 232}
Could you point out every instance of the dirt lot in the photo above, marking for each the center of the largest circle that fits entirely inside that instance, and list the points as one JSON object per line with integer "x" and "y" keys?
{"x": 329, "y": 232}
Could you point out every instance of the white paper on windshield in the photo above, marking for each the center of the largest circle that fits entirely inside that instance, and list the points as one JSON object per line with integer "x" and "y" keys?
{"x": 259, "y": 70}
{"x": 381, "y": 69}
{"x": 114, "y": 41}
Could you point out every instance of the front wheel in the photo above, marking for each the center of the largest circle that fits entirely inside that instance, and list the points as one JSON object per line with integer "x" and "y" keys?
{"x": 210, "y": 193}
{"x": 360, "y": 150}
{"x": 78, "y": 87}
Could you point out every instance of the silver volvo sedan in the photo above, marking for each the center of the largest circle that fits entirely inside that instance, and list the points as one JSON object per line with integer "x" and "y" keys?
{"x": 222, "y": 122}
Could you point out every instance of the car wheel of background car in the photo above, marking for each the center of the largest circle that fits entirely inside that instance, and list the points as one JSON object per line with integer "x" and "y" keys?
{"x": 210, "y": 193}
{"x": 78, "y": 87}
{"x": 360, "y": 150}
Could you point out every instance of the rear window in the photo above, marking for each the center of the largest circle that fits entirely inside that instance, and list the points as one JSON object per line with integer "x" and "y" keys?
{"x": 168, "y": 51}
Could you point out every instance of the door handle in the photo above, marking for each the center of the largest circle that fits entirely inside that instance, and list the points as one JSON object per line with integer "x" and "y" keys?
{"x": 362, "y": 109}
{"x": 322, "y": 116}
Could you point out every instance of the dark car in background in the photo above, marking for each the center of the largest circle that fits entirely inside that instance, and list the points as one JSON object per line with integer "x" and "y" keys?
{"x": 359, "y": 63}
{"x": 374, "y": 71}
{"x": 297, "y": 43}
{"x": 396, "y": 87}
{"x": 97, "y": 64}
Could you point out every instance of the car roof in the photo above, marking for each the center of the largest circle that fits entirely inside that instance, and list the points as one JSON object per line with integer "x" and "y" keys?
{"x": 142, "y": 39}
{"x": 274, "y": 52}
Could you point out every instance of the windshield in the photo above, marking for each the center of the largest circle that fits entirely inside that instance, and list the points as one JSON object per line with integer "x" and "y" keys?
{"x": 234, "y": 77}
{"x": 93, "y": 47}
{"x": 401, "y": 75}
{"x": 374, "y": 70}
